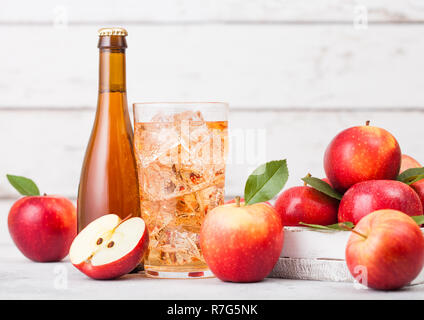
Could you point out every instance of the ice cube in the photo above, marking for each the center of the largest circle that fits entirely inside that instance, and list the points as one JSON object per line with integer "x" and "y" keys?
{"x": 154, "y": 141}
{"x": 162, "y": 117}
{"x": 189, "y": 115}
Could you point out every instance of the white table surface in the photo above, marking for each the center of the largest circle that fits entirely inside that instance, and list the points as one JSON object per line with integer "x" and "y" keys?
{"x": 21, "y": 278}
{"x": 24, "y": 279}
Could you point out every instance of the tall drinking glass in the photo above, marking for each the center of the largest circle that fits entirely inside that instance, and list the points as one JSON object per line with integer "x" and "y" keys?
{"x": 180, "y": 150}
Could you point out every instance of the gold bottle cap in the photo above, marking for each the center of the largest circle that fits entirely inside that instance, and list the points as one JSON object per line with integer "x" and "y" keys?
{"x": 112, "y": 32}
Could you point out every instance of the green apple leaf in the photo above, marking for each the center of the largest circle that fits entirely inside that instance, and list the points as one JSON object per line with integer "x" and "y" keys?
{"x": 342, "y": 226}
{"x": 411, "y": 175}
{"x": 265, "y": 182}
{"x": 24, "y": 186}
{"x": 419, "y": 219}
{"x": 322, "y": 186}
{"x": 417, "y": 178}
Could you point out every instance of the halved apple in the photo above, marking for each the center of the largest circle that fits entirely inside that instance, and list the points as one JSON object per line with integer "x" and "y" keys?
{"x": 109, "y": 247}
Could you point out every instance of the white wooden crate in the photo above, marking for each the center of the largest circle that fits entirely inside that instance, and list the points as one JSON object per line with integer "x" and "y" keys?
{"x": 316, "y": 255}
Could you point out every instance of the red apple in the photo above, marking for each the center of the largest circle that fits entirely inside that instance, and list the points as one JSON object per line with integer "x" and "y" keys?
{"x": 368, "y": 196}
{"x": 408, "y": 162}
{"x": 359, "y": 154}
{"x": 43, "y": 227}
{"x": 242, "y": 243}
{"x": 419, "y": 189}
{"x": 305, "y": 204}
{"x": 109, "y": 247}
{"x": 386, "y": 250}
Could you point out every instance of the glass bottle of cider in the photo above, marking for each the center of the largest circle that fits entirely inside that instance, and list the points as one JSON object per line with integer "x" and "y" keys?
{"x": 109, "y": 182}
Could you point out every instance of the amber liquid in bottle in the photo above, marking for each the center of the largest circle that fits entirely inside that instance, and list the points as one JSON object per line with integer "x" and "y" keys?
{"x": 109, "y": 181}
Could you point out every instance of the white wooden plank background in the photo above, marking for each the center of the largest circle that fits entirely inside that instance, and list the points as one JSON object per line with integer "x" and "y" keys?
{"x": 250, "y": 66}
{"x": 207, "y": 11}
{"x": 294, "y": 72}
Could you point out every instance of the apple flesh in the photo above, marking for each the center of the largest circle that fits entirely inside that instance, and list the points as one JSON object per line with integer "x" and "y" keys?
{"x": 359, "y": 154}
{"x": 368, "y": 196}
{"x": 109, "y": 247}
{"x": 242, "y": 243}
{"x": 305, "y": 204}
{"x": 43, "y": 227}
{"x": 386, "y": 250}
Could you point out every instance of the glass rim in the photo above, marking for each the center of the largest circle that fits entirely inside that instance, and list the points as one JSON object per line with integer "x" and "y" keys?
{"x": 181, "y": 103}
{"x": 211, "y": 111}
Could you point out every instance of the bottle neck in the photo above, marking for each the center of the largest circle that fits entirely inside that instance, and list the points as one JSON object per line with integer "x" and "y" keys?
{"x": 112, "y": 70}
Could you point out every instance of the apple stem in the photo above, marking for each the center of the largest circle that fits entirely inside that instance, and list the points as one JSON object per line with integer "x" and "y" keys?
{"x": 344, "y": 226}
{"x": 360, "y": 234}
{"x": 308, "y": 176}
{"x": 123, "y": 220}
{"x": 44, "y": 194}
{"x": 127, "y": 217}
{"x": 238, "y": 201}
{"x": 367, "y": 123}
